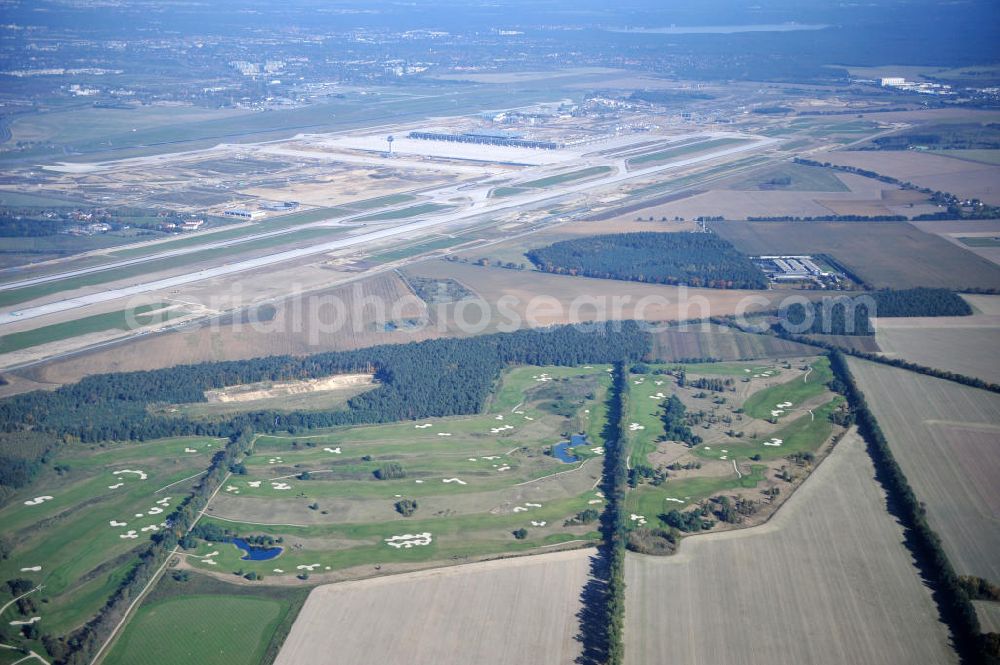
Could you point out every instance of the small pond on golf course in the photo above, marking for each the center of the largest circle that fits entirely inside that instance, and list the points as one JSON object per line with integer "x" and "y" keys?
{"x": 561, "y": 451}
{"x": 255, "y": 552}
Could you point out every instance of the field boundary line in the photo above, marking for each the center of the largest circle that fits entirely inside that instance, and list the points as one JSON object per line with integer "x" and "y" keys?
{"x": 178, "y": 482}
{"x": 227, "y": 519}
{"x": 535, "y": 480}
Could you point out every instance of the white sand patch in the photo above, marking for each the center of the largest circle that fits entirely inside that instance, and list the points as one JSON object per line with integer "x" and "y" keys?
{"x": 156, "y": 510}
{"x": 142, "y": 474}
{"x": 706, "y": 447}
{"x": 777, "y": 412}
{"x": 444, "y": 433}
{"x": 253, "y": 483}
{"x": 594, "y": 502}
{"x": 784, "y": 405}
{"x": 723, "y": 457}
{"x": 327, "y": 568}
{"x": 774, "y": 442}
{"x": 504, "y": 468}
{"x": 275, "y": 460}
{"x": 542, "y": 523}
{"x": 280, "y": 486}
{"x": 491, "y": 457}
{"x": 310, "y": 567}
{"x": 635, "y": 427}
{"x": 638, "y": 519}
{"x": 472, "y": 459}
{"x": 131, "y": 535}
{"x": 232, "y": 488}
{"x": 115, "y": 486}
{"x": 26, "y": 623}
{"x": 498, "y": 430}
{"x": 419, "y": 482}
{"x": 746, "y": 370}
{"x": 528, "y": 418}
{"x": 277, "y": 570}
{"x": 599, "y": 450}
{"x": 599, "y": 494}
{"x": 140, "y": 515}
{"x": 211, "y": 554}
{"x": 335, "y": 451}
{"x": 520, "y": 509}
{"x": 425, "y": 425}
{"x": 165, "y": 501}
{"x": 190, "y": 450}
{"x": 658, "y": 383}
{"x": 724, "y": 450}
{"x": 409, "y": 540}
{"x": 38, "y": 500}
{"x": 452, "y": 480}
{"x": 211, "y": 562}
{"x": 31, "y": 569}
{"x": 657, "y": 396}
{"x": 500, "y": 417}
{"x": 533, "y": 505}
{"x": 541, "y": 378}
{"x": 151, "y": 527}
{"x": 117, "y": 523}
{"x": 670, "y": 498}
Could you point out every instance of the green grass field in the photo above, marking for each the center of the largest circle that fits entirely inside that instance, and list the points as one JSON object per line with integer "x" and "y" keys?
{"x": 562, "y": 178}
{"x": 403, "y": 213}
{"x": 15, "y": 296}
{"x": 209, "y": 630}
{"x": 719, "y": 455}
{"x": 82, "y": 557}
{"x": 507, "y": 482}
{"x": 419, "y": 248}
{"x": 799, "y": 178}
{"x": 686, "y": 150}
{"x": 121, "y": 320}
{"x": 796, "y": 391}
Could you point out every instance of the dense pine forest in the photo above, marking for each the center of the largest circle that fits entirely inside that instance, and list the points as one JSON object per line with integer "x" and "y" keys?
{"x": 434, "y": 378}
{"x": 694, "y": 259}
{"x": 832, "y": 318}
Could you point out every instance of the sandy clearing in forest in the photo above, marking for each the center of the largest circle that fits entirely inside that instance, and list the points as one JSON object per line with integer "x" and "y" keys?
{"x": 825, "y": 581}
{"x": 248, "y": 393}
{"x": 510, "y": 611}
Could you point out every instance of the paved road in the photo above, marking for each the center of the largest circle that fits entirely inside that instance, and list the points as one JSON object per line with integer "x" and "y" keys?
{"x": 444, "y": 219}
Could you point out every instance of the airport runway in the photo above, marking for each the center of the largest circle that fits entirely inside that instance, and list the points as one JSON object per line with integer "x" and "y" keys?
{"x": 444, "y": 219}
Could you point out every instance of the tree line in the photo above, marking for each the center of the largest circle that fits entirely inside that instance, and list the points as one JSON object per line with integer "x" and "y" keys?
{"x": 434, "y": 378}
{"x": 694, "y": 259}
{"x": 952, "y": 597}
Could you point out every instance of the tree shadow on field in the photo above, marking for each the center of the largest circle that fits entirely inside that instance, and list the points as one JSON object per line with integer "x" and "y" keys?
{"x": 594, "y": 613}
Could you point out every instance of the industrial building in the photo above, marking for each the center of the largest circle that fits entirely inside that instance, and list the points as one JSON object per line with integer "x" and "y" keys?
{"x": 243, "y": 213}
{"x": 487, "y": 138}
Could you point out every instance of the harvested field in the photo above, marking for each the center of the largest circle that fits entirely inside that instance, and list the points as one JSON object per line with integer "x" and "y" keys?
{"x": 964, "y": 178}
{"x": 511, "y": 611}
{"x": 945, "y": 437}
{"x": 884, "y": 254}
{"x": 683, "y": 343}
{"x": 972, "y": 235}
{"x": 825, "y": 581}
{"x": 964, "y": 349}
{"x": 534, "y": 298}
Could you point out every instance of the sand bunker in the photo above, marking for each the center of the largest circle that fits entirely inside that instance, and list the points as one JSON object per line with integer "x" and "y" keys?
{"x": 254, "y": 483}
{"x": 31, "y": 569}
{"x": 280, "y": 486}
{"x": 425, "y": 425}
{"x": 26, "y": 623}
{"x": 155, "y": 510}
{"x": 211, "y": 562}
{"x": 335, "y": 451}
{"x": 444, "y": 433}
{"x": 774, "y": 442}
{"x": 165, "y": 501}
{"x": 638, "y": 519}
{"x": 491, "y": 457}
{"x": 256, "y": 391}
{"x": 595, "y": 501}
{"x": 277, "y": 570}
{"x": 452, "y": 480}
{"x": 275, "y": 460}
{"x": 117, "y": 523}
{"x": 528, "y": 418}
{"x": 533, "y": 505}
{"x": 534, "y": 523}
{"x": 635, "y": 427}
{"x": 131, "y": 535}
{"x": 498, "y": 430}
{"x": 500, "y": 417}
{"x": 38, "y": 500}
{"x": 504, "y": 468}
{"x": 233, "y": 488}
{"x": 115, "y": 486}
{"x": 142, "y": 474}
{"x": 409, "y": 540}
{"x": 657, "y": 396}
{"x": 190, "y": 450}
{"x": 674, "y": 500}
{"x": 419, "y": 482}
{"x": 541, "y": 378}
{"x": 310, "y": 567}
{"x": 151, "y": 527}
{"x": 519, "y": 509}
